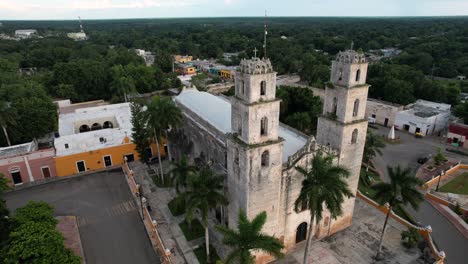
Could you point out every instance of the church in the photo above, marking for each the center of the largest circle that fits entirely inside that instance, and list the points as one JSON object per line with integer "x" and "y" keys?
{"x": 242, "y": 138}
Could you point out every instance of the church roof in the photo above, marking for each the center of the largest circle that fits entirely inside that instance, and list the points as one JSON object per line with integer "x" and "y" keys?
{"x": 217, "y": 111}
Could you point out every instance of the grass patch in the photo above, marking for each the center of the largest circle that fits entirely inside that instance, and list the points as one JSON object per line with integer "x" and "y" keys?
{"x": 200, "y": 252}
{"x": 369, "y": 192}
{"x": 195, "y": 231}
{"x": 162, "y": 183}
{"x": 177, "y": 206}
{"x": 458, "y": 185}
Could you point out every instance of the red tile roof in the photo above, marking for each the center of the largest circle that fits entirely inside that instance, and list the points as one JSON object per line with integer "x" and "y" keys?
{"x": 458, "y": 129}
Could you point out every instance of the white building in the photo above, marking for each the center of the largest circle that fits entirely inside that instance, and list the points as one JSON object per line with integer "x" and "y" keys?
{"x": 25, "y": 33}
{"x": 423, "y": 116}
{"x": 148, "y": 56}
{"x": 382, "y": 112}
{"x": 77, "y": 36}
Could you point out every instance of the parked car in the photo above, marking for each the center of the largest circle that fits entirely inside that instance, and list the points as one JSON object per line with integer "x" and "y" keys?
{"x": 419, "y": 135}
{"x": 423, "y": 160}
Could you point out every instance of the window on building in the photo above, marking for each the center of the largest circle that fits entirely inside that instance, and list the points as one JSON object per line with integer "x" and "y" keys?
{"x": 96, "y": 126}
{"x": 16, "y": 176}
{"x": 84, "y": 128}
{"x": 358, "y": 75}
{"x": 265, "y": 158}
{"x": 264, "y": 126}
{"x": 356, "y": 107}
{"x": 335, "y": 105}
{"x": 263, "y": 88}
{"x": 108, "y": 124}
{"x": 66, "y": 146}
{"x": 340, "y": 75}
{"x": 354, "y": 136}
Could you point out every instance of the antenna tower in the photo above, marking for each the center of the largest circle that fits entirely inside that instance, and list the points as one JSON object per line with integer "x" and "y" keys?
{"x": 81, "y": 25}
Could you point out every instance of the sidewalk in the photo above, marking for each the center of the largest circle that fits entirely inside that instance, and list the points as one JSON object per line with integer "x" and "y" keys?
{"x": 168, "y": 225}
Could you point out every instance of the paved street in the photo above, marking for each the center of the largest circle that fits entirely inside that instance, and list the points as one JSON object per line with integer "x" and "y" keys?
{"x": 445, "y": 234}
{"x": 110, "y": 228}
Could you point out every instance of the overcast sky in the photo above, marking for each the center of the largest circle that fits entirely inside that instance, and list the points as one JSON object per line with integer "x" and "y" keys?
{"x": 101, "y": 9}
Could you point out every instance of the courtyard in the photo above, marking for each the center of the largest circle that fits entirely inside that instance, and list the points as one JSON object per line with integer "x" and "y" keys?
{"x": 458, "y": 185}
{"x": 110, "y": 228}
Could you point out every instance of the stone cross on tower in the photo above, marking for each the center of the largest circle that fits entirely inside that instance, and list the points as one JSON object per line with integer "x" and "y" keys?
{"x": 255, "y": 52}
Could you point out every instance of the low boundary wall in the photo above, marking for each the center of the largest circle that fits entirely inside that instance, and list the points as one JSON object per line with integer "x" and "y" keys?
{"x": 425, "y": 232}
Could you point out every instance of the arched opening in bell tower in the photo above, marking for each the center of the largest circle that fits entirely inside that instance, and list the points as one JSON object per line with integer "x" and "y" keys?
{"x": 264, "y": 126}
{"x": 335, "y": 105}
{"x": 356, "y": 107}
{"x": 354, "y": 136}
{"x": 263, "y": 88}
{"x": 358, "y": 75}
{"x": 265, "y": 158}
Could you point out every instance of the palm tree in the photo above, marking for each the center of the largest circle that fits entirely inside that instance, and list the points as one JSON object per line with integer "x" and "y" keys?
{"x": 6, "y": 118}
{"x": 248, "y": 237}
{"x": 373, "y": 146}
{"x": 324, "y": 185}
{"x": 204, "y": 192}
{"x": 180, "y": 172}
{"x": 162, "y": 115}
{"x": 171, "y": 117}
{"x": 400, "y": 191}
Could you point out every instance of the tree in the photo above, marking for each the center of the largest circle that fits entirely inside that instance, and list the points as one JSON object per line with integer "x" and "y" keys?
{"x": 154, "y": 125}
{"x": 410, "y": 237}
{"x": 462, "y": 112}
{"x": 5, "y": 223}
{"x": 248, "y": 238}
{"x": 324, "y": 184}
{"x": 400, "y": 191}
{"x": 170, "y": 118}
{"x": 373, "y": 146}
{"x": 140, "y": 134}
{"x": 35, "y": 239}
{"x": 439, "y": 157}
{"x": 7, "y": 117}
{"x": 204, "y": 192}
{"x": 180, "y": 172}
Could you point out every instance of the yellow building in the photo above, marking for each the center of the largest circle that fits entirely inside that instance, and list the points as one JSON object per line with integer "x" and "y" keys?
{"x": 227, "y": 74}
{"x": 93, "y": 138}
{"x": 182, "y": 59}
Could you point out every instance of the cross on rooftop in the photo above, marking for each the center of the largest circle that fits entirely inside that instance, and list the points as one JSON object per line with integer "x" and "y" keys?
{"x": 255, "y": 52}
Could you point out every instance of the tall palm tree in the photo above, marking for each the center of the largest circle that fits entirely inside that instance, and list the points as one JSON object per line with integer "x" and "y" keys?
{"x": 171, "y": 118}
{"x": 6, "y": 118}
{"x": 324, "y": 185}
{"x": 400, "y": 191}
{"x": 372, "y": 148}
{"x": 204, "y": 192}
{"x": 180, "y": 172}
{"x": 163, "y": 114}
{"x": 248, "y": 237}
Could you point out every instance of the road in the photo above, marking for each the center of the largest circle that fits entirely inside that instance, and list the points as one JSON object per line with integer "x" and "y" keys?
{"x": 110, "y": 228}
{"x": 446, "y": 236}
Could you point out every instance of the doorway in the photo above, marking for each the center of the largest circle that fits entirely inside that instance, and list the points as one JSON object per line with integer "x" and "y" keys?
{"x": 16, "y": 175}
{"x": 417, "y": 130}
{"x": 385, "y": 122}
{"x": 81, "y": 166}
{"x": 406, "y": 127}
{"x": 45, "y": 172}
{"x": 107, "y": 161}
{"x": 301, "y": 232}
{"x": 130, "y": 157}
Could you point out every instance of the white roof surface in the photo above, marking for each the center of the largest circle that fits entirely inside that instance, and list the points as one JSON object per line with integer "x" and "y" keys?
{"x": 217, "y": 111}
{"x": 118, "y": 114}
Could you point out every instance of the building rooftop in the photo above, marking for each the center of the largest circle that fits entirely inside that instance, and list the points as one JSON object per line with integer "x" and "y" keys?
{"x": 425, "y": 109}
{"x": 217, "y": 111}
{"x": 92, "y": 128}
{"x": 17, "y": 150}
{"x": 384, "y": 102}
{"x": 458, "y": 129}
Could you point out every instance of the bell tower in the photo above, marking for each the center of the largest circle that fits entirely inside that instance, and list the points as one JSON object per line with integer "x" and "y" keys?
{"x": 254, "y": 149}
{"x": 343, "y": 125}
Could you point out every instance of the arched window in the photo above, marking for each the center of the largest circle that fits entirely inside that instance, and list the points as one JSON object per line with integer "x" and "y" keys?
{"x": 340, "y": 75}
{"x": 301, "y": 232}
{"x": 236, "y": 156}
{"x": 356, "y": 107}
{"x": 354, "y": 136}
{"x": 84, "y": 128}
{"x": 108, "y": 124}
{"x": 264, "y": 126}
{"x": 265, "y": 158}
{"x": 96, "y": 126}
{"x": 358, "y": 75}
{"x": 335, "y": 105}
{"x": 263, "y": 88}
{"x": 242, "y": 87}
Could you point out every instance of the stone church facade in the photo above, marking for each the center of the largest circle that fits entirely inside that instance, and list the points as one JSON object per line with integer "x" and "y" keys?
{"x": 242, "y": 138}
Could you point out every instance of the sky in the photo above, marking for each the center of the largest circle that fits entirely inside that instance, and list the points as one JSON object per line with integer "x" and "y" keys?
{"x": 105, "y": 9}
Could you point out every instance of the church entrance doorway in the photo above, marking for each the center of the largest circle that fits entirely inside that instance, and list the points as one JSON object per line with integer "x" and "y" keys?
{"x": 386, "y": 122}
{"x": 301, "y": 232}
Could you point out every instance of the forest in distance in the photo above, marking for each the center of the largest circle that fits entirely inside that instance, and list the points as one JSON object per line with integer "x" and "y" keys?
{"x": 104, "y": 65}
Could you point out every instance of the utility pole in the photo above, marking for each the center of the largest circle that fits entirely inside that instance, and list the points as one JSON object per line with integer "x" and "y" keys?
{"x": 265, "y": 37}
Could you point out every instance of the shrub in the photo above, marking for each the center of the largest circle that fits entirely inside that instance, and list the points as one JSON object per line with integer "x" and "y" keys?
{"x": 410, "y": 237}
{"x": 439, "y": 157}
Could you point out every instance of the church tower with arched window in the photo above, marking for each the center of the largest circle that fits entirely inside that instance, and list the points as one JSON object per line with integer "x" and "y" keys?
{"x": 343, "y": 125}
{"x": 254, "y": 149}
